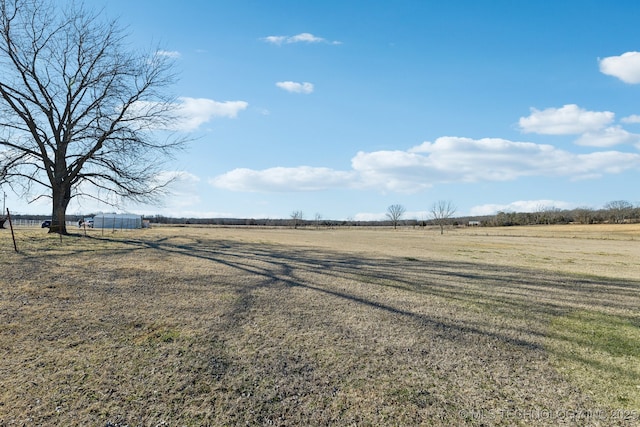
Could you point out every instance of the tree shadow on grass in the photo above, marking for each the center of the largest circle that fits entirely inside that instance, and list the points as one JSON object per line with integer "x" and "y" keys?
{"x": 487, "y": 315}
{"x": 516, "y": 292}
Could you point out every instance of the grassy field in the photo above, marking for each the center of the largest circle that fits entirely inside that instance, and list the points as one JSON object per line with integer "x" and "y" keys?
{"x": 188, "y": 326}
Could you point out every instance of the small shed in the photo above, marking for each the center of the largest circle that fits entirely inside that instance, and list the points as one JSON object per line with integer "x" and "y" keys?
{"x": 117, "y": 221}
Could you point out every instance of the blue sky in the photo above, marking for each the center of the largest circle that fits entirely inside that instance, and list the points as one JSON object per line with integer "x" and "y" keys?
{"x": 342, "y": 108}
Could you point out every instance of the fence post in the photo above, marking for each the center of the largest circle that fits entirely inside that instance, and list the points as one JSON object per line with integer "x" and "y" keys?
{"x": 13, "y": 236}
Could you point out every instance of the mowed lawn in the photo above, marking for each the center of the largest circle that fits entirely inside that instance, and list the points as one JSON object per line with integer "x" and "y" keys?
{"x": 197, "y": 326}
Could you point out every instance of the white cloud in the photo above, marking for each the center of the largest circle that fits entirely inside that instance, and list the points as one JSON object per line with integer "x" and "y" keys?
{"x": 569, "y": 119}
{"x": 193, "y": 112}
{"x": 625, "y": 67}
{"x": 608, "y": 137}
{"x": 368, "y": 216}
{"x": 302, "y": 178}
{"x": 381, "y": 216}
{"x": 447, "y": 160}
{"x": 394, "y": 170}
{"x": 466, "y": 160}
{"x": 168, "y": 53}
{"x": 295, "y": 87}
{"x": 182, "y": 191}
{"x": 298, "y": 38}
{"x": 305, "y": 38}
{"x": 634, "y": 118}
{"x": 186, "y": 115}
{"x": 519, "y": 206}
{"x": 275, "y": 39}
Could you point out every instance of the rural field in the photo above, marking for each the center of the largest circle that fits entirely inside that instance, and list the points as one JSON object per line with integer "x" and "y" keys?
{"x": 204, "y": 326}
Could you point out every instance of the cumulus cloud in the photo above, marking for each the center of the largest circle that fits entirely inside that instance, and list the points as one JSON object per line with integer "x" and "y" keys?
{"x": 625, "y": 67}
{"x": 298, "y": 38}
{"x": 182, "y": 198}
{"x": 394, "y": 170}
{"x": 279, "y": 179}
{"x": 567, "y": 120}
{"x": 193, "y": 112}
{"x": 181, "y": 188}
{"x": 447, "y": 160}
{"x": 295, "y": 87}
{"x": 185, "y": 116}
{"x": 519, "y": 206}
{"x": 634, "y": 118}
{"x": 184, "y": 190}
{"x": 507, "y": 160}
{"x": 456, "y": 159}
{"x": 608, "y": 137}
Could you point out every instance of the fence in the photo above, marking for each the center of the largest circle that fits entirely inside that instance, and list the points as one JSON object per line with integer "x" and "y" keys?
{"x": 33, "y": 223}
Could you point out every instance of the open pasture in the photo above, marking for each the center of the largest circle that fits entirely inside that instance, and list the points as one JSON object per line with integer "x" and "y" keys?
{"x": 194, "y": 326}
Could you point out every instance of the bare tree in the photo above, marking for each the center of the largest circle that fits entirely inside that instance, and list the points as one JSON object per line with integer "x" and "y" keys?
{"x": 394, "y": 213}
{"x": 583, "y": 215}
{"x": 296, "y": 218}
{"x": 619, "y": 210}
{"x": 318, "y": 219}
{"x": 441, "y": 212}
{"x": 79, "y": 111}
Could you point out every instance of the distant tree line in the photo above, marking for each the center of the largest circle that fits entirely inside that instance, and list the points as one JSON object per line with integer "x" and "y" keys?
{"x": 614, "y": 212}
{"x": 618, "y": 212}
{"x": 295, "y": 221}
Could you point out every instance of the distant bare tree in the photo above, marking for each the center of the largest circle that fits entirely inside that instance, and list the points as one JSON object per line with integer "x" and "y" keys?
{"x": 619, "y": 210}
{"x": 583, "y": 215}
{"x": 350, "y": 221}
{"x": 317, "y": 219}
{"x": 394, "y": 213}
{"x": 441, "y": 212}
{"x": 296, "y": 218}
{"x": 539, "y": 213}
{"x": 553, "y": 215}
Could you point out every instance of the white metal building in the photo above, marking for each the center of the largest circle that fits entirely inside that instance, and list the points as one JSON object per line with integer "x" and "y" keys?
{"x": 117, "y": 221}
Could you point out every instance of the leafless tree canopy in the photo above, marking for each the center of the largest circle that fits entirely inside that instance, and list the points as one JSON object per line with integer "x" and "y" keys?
{"x": 441, "y": 212}
{"x": 296, "y": 218}
{"x": 395, "y": 213}
{"x": 79, "y": 110}
{"x": 619, "y": 210}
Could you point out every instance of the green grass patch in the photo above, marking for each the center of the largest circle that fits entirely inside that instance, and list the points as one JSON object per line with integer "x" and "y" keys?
{"x": 601, "y": 354}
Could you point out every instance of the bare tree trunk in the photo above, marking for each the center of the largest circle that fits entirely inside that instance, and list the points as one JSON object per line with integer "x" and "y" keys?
{"x": 61, "y": 199}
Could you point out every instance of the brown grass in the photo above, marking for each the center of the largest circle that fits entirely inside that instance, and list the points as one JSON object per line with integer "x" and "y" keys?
{"x": 215, "y": 326}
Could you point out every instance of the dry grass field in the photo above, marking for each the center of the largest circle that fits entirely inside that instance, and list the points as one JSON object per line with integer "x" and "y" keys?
{"x": 188, "y": 326}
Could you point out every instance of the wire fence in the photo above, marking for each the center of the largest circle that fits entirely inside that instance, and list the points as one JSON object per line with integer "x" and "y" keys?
{"x": 30, "y": 223}
{"x": 108, "y": 224}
